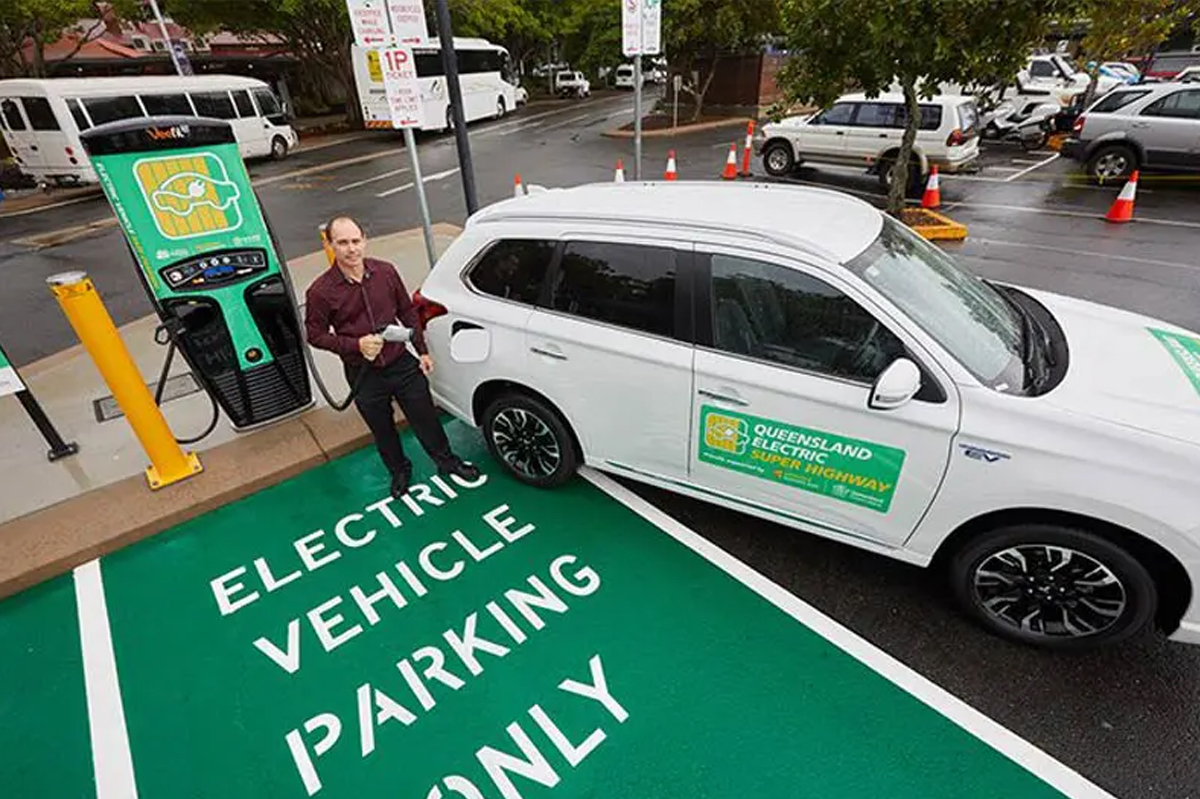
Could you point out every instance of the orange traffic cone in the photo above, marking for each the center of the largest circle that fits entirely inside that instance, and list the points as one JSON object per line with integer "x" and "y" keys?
{"x": 671, "y": 173}
{"x": 619, "y": 177}
{"x": 730, "y": 172}
{"x": 1122, "y": 208}
{"x": 746, "y": 152}
{"x": 933, "y": 191}
{"x": 518, "y": 187}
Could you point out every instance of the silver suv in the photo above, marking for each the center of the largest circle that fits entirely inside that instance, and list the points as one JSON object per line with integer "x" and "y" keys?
{"x": 1152, "y": 126}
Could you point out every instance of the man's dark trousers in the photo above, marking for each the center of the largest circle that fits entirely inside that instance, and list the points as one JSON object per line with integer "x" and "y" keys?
{"x": 403, "y": 380}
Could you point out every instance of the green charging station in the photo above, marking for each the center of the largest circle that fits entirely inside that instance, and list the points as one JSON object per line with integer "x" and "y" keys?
{"x": 208, "y": 260}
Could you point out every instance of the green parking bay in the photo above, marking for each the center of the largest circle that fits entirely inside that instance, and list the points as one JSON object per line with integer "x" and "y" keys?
{"x": 489, "y": 640}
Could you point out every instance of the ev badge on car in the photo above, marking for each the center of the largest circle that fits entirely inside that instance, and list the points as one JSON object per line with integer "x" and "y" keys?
{"x": 981, "y": 454}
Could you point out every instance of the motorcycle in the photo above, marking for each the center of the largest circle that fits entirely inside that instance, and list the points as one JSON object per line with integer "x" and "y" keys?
{"x": 1030, "y": 127}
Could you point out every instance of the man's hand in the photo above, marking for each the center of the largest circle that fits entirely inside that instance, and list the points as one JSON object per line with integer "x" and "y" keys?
{"x": 426, "y": 364}
{"x": 370, "y": 346}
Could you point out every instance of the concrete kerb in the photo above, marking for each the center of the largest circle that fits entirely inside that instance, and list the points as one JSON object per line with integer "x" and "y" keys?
{"x": 667, "y": 133}
{"x": 55, "y": 539}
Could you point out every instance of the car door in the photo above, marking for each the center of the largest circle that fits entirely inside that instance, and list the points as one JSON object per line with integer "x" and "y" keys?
{"x": 824, "y": 137}
{"x": 611, "y": 347}
{"x": 1169, "y": 129}
{"x": 251, "y": 128}
{"x": 874, "y": 129}
{"x": 22, "y": 139}
{"x": 785, "y": 363}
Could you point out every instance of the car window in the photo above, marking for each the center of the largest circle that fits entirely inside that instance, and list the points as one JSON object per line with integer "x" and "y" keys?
{"x": 12, "y": 115}
{"x": 931, "y": 117}
{"x": 967, "y": 316}
{"x": 630, "y": 285}
{"x": 167, "y": 104}
{"x": 837, "y": 114}
{"x": 775, "y": 313}
{"x": 968, "y": 117}
{"x": 81, "y": 120}
{"x": 876, "y": 115}
{"x": 268, "y": 103}
{"x": 216, "y": 105}
{"x": 1042, "y": 69}
{"x": 41, "y": 115}
{"x": 1180, "y": 105}
{"x": 513, "y": 269}
{"x": 112, "y": 109}
{"x": 245, "y": 107}
{"x": 1118, "y": 100}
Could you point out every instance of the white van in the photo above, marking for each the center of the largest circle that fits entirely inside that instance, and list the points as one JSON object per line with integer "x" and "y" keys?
{"x": 41, "y": 119}
{"x": 624, "y": 77}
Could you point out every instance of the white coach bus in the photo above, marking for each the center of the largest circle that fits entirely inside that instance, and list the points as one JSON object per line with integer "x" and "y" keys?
{"x": 485, "y": 73}
{"x": 41, "y": 119}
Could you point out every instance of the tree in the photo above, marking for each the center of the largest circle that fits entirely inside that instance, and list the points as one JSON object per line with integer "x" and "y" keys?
{"x": 42, "y": 22}
{"x": 918, "y": 44}
{"x": 1117, "y": 29}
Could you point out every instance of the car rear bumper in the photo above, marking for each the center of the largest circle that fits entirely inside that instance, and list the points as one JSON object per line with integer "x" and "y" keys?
{"x": 1073, "y": 149}
{"x": 957, "y": 162}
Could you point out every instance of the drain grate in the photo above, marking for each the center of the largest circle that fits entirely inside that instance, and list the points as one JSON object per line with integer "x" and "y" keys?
{"x": 107, "y": 409}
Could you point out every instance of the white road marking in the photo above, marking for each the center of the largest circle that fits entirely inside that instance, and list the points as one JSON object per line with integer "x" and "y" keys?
{"x": 1084, "y": 253}
{"x": 334, "y": 142}
{"x": 566, "y": 122}
{"x": 356, "y": 184}
{"x": 112, "y": 761}
{"x": 310, "y": 170}
{"x": 521, "y": 128}
{"x": 1027, "y": 170}
{"x": 59, "y": 204}
{"x": 1073, "y": 214}
{"x": 1053, "y": 772}
{"x": 427, "y": 179}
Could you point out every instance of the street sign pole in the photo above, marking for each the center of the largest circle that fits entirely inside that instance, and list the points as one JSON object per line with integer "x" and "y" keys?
{"x": 410, "y": 141}
{"x": 11, "y": 383}
{"x": 162, "y": 26}
{"x": 450, "y": 61}
{"x": 637, "y": 116}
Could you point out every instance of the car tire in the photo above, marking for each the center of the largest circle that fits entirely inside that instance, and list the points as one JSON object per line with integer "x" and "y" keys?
{"x": 279, "y": 148}
{"x": 501, "y": 108}
{"x": 778, "y": 159}
{"x": 1112, "y": 162}
{"x": 915, "y": 185}
{"x": 530, "y": 440}
{"x": 1031, "y": 563}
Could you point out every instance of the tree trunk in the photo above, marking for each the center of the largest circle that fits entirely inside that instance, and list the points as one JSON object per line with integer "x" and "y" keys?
{"x": 699, "y": 96}
{"x": 39, "y": 52}
{"x": 899, "y": 185}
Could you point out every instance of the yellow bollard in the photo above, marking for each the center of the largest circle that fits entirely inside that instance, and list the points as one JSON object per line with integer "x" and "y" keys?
{"x": 79, "y": 301}
{"x": 325, "y": 244}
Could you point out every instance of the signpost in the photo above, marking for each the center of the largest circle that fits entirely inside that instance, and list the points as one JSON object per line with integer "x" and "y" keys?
{"x": 11, "y": 383}
{"x": 384, "y": 32}
{"x": 641, "y": 34}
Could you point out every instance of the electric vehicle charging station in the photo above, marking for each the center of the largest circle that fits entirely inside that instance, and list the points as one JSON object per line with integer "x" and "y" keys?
{"x": 208, "y": 260}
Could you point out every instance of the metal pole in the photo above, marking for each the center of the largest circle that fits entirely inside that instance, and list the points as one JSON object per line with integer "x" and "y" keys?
{"x": 637, "y": 116}
{"x": 162, "y": 26}
{"x": 410, "y": 142}
{"x": 450, "y": 62}
{"x": 58, "y": 447}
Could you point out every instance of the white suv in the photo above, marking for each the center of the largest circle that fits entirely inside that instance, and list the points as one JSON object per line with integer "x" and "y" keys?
{"x": 797, "y": 355}
{"x": 858, "y": 130}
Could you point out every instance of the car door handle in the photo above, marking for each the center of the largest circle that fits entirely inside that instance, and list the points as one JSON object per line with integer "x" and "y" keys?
{"x": 1139, "y": 125}
{"x": 704, "y": 392}
{"x": 548, "y": 353}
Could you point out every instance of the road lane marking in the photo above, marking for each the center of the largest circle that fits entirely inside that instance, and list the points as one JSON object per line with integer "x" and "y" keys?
{"x": 1038, "y": 165}
{"x": 518, "y": 130}
{"x": 1084, "y": 253}
{"x": 312, "y": 170}
{"x": 426, "y": 179}
{"x": 111, "y": 758}
{"x": 356, "y": 184}
{"x": 321, "y": 145}
{"x": 59, "y": 204}
{"x": 566, "y": 122}
{"x": 1057, "y": 774}
{"x": 1073, "y": 214}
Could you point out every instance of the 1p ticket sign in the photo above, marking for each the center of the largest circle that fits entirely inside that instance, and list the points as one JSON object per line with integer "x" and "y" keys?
{"x": 400, "y": 83}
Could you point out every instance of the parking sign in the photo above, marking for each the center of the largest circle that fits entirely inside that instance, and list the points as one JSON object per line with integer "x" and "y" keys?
{"x": 400, "y": 83}
{"x": 641, "y": 27}
{"x": 369, "y": 20}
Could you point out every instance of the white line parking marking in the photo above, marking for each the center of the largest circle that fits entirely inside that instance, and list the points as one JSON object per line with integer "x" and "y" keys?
{"x": 1038, "y": 165}
{"x": 566, "y": 122}
{"x": 311, "y": 170}
{"x": 1074, "y": 214}
{"x": 1022, "y": 752}
{"x": 1085, "y": 253}
{"x": 111, "y": 759}
{"x": 58, "y": 204}
{"x": 356, "y": 184}
{"x": 426, "y": 179}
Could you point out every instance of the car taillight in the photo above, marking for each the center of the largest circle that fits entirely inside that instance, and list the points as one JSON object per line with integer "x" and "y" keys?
{"x": 1077, "y": 128}
{"x": 70, "y": 151}
{"x": 427, "y": 309}
{"x": 956, "y": 138}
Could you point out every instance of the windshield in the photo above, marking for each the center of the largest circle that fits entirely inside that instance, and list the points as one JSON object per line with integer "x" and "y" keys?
{"x": 966, "y": 316}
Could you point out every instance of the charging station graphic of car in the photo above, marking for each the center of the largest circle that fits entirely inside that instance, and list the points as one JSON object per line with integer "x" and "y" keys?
{"x": 189, "y": 195}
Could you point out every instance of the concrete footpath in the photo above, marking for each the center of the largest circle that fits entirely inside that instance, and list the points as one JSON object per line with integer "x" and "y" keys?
{"x": 55, "y": 516}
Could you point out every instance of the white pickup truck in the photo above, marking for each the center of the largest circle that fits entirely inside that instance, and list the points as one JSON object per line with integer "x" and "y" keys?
{"x": 572, "y": 83}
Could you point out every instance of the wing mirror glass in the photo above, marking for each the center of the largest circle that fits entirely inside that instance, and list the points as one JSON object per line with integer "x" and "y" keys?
{"x": 898, "y": 384}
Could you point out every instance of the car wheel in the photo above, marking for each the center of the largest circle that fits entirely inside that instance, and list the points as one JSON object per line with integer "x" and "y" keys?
{"x": 279, "y": 148}
{"x": 1053, "y": 587}
{"x": 778, "y": 159}
{"x": 915, "y": 186}
{"x": 501, "y": 108}
{"x": 530, "y": 440}
{"x": 1113, "y": 162}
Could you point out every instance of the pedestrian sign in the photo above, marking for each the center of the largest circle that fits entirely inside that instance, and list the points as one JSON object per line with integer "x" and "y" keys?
{"x": 474, "y": 639}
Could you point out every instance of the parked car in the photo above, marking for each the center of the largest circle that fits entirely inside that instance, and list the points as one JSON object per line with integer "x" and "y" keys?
{"x": 1189, "y": 75}
{"x": 1057, "y": 71}
{"x": 799, "y": 356}
{"x": 857, "y": 130}
{"x": 1151, "y": 126}
{"x": 623, "y": 77}
{"x": 1167, "y": 66}
{"x": 572, "y": 83}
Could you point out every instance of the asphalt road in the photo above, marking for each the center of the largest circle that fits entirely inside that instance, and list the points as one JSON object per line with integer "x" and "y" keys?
{"x": 1128, "y": 719}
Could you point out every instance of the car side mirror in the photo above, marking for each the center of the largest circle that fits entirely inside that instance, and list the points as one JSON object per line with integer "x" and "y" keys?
{"x": 898, "y": 384}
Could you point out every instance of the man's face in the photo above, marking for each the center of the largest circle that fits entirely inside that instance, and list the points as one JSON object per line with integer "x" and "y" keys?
{"x": 348, "y": 243}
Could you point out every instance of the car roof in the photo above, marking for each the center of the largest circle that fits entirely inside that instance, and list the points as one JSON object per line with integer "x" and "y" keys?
{"x": 824, "y": 223}
{"x": 896, "y": 97}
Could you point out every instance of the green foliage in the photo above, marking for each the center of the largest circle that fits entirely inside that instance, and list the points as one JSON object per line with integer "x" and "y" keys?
{"x": 44, "y": 22}
{"x": 918, "y": 44}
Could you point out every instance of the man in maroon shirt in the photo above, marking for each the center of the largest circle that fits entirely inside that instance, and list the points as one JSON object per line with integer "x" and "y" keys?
{"x": 346, "y": 307}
